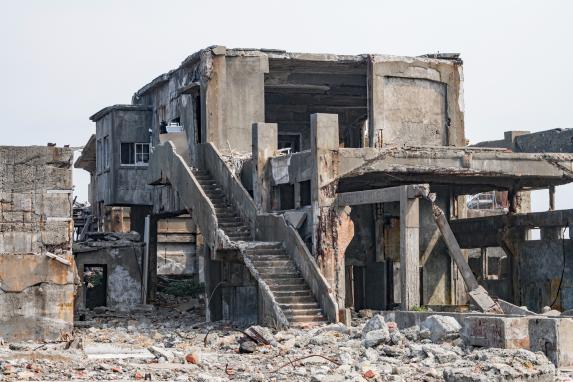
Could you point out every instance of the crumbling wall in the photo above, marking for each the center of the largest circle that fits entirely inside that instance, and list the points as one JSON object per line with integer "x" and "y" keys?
{"x": 37, "y": 271}
{"x": 122, "y": 255}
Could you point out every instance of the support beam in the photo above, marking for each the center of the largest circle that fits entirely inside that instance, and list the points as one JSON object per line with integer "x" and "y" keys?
{"x": 409, "y": 250}
{"x": 381, "y": 195}
{"x": 477, "y": 293}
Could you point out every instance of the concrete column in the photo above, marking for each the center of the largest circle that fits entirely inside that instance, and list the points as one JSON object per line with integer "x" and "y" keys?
{"x": 409, "y": 250}
{"x": 551, "y": 198}
{"x": 327, "y": 221}
{"x": 265, "y": 144}
{"x": 152, "y": 267}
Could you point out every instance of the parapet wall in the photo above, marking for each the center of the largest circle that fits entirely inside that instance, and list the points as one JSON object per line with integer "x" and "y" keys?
{"x": 37, "y": 270}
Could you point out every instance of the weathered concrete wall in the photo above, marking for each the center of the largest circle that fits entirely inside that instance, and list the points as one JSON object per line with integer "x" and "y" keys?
{"x": 36, "y": 291}
{"x": 176, "y": 246}
{"x": 546, "y": 274}
{"x": 123, "y": 261}
{"x": 119, "y": 184}
{"x": 549, "y": 141}
{"x": 415, "y": 101}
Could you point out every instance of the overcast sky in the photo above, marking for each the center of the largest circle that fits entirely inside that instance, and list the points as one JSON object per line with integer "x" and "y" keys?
{"x": 61, "y": 61}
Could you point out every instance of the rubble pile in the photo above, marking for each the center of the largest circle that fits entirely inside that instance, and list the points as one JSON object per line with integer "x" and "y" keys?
{"x": 170, "y": 341}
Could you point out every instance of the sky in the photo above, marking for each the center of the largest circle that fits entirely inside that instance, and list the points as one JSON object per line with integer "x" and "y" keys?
{"x": 61, "y": 61}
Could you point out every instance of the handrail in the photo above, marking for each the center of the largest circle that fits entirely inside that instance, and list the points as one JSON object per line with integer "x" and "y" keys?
{"x": 168, "y": 167}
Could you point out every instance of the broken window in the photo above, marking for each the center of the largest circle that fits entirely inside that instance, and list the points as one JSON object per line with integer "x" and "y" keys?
{"x": 134, "y": 154}
{"x": 289, "y": 141}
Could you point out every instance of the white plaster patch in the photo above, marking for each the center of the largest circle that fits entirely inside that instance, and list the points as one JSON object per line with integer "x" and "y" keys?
{"x": 123, "y": 290}
{"x": 280, "y": 169}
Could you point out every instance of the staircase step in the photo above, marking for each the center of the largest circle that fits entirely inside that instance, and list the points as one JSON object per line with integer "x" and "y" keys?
{"x": 308, "y": 307}
{"x": 305, "y": 318}
{"x": 280, "y": 276}
{"x": 288, "y": 284}
{"x": 306, "y": 299}
{"x": 259, "y": 252}
{"x": 273, "y": 263}
{"x": 277, "y": 270}
{"x": 230, "y": 220}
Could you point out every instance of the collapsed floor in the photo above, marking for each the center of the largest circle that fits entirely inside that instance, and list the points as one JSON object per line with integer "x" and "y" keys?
{"x": 171, "y": 341}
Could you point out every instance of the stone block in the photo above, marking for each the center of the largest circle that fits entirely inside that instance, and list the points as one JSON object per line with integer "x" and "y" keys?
{"x": 498, "y": 332}
{"x": 554, "y": 337}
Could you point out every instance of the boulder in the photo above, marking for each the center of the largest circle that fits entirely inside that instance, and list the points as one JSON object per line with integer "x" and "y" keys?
{"x": 442, "y": 328}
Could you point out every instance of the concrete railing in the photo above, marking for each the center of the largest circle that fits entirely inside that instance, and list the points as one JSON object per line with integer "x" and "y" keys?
{"x": 212, "y": 161}
{"x": 168, "y": 167}
{"x": 274, "y": 228}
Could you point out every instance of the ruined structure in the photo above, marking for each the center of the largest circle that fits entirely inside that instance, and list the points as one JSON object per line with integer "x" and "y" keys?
{"x": 37, "y": 269}
{"x": 308, "y": 180}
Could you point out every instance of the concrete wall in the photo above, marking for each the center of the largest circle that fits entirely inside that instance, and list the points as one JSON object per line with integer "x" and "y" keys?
{"x": 124, "y": 272}
{"x": 176, "y": 246}
{"x": 36, "y": 291}
{"x": 415, "y": 101}
{"x": 119, "y": 184}
{"x": 546, "y": 274}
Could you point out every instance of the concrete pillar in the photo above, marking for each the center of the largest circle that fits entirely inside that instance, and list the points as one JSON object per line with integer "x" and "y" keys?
{"x": 327, "y": 221}
{"x": 551, "y": 198}
{"x": 409, "y": 250}
{"x": 152, "y": 265}
{"x": 265, "y": 144}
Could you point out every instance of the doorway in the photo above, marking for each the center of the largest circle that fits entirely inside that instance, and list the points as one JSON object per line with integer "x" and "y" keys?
{"x": 95, "y": 283}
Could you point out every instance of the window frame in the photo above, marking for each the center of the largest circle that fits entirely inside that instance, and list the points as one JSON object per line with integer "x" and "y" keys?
{"x": 138, "y": 158}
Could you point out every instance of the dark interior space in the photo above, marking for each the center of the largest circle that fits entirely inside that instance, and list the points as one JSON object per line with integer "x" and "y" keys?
{"x": 295, "y": 89}
{"x": 95, "y": 281}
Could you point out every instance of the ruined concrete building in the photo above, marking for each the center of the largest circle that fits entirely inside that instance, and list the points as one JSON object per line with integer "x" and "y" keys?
{"x": 37, "y": 269}
{"x": 300, "y": 186}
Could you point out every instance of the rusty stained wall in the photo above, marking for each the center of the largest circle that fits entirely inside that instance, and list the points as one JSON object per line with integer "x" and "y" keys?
{"x": 36, "y": 292}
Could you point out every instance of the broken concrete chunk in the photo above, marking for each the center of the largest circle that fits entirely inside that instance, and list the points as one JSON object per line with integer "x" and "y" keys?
{"x": 375, "y": 323}
{"x": 247, "y": 347}
{"x": 442, "y": 328}
{"x": 159, "y": 352}
{"x": 376, "y": 337}
{"x": 262, "y": 335}
{"x": 412, "y": 333}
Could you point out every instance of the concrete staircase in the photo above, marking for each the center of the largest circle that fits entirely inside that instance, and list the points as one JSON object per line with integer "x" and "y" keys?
{"x": 289, "y": 289}
{"x": 229, "y": 220}
{"x": 273, "y": 264}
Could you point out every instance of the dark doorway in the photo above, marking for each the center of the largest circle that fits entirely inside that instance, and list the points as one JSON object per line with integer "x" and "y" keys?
{"x": 95, "y": 283}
